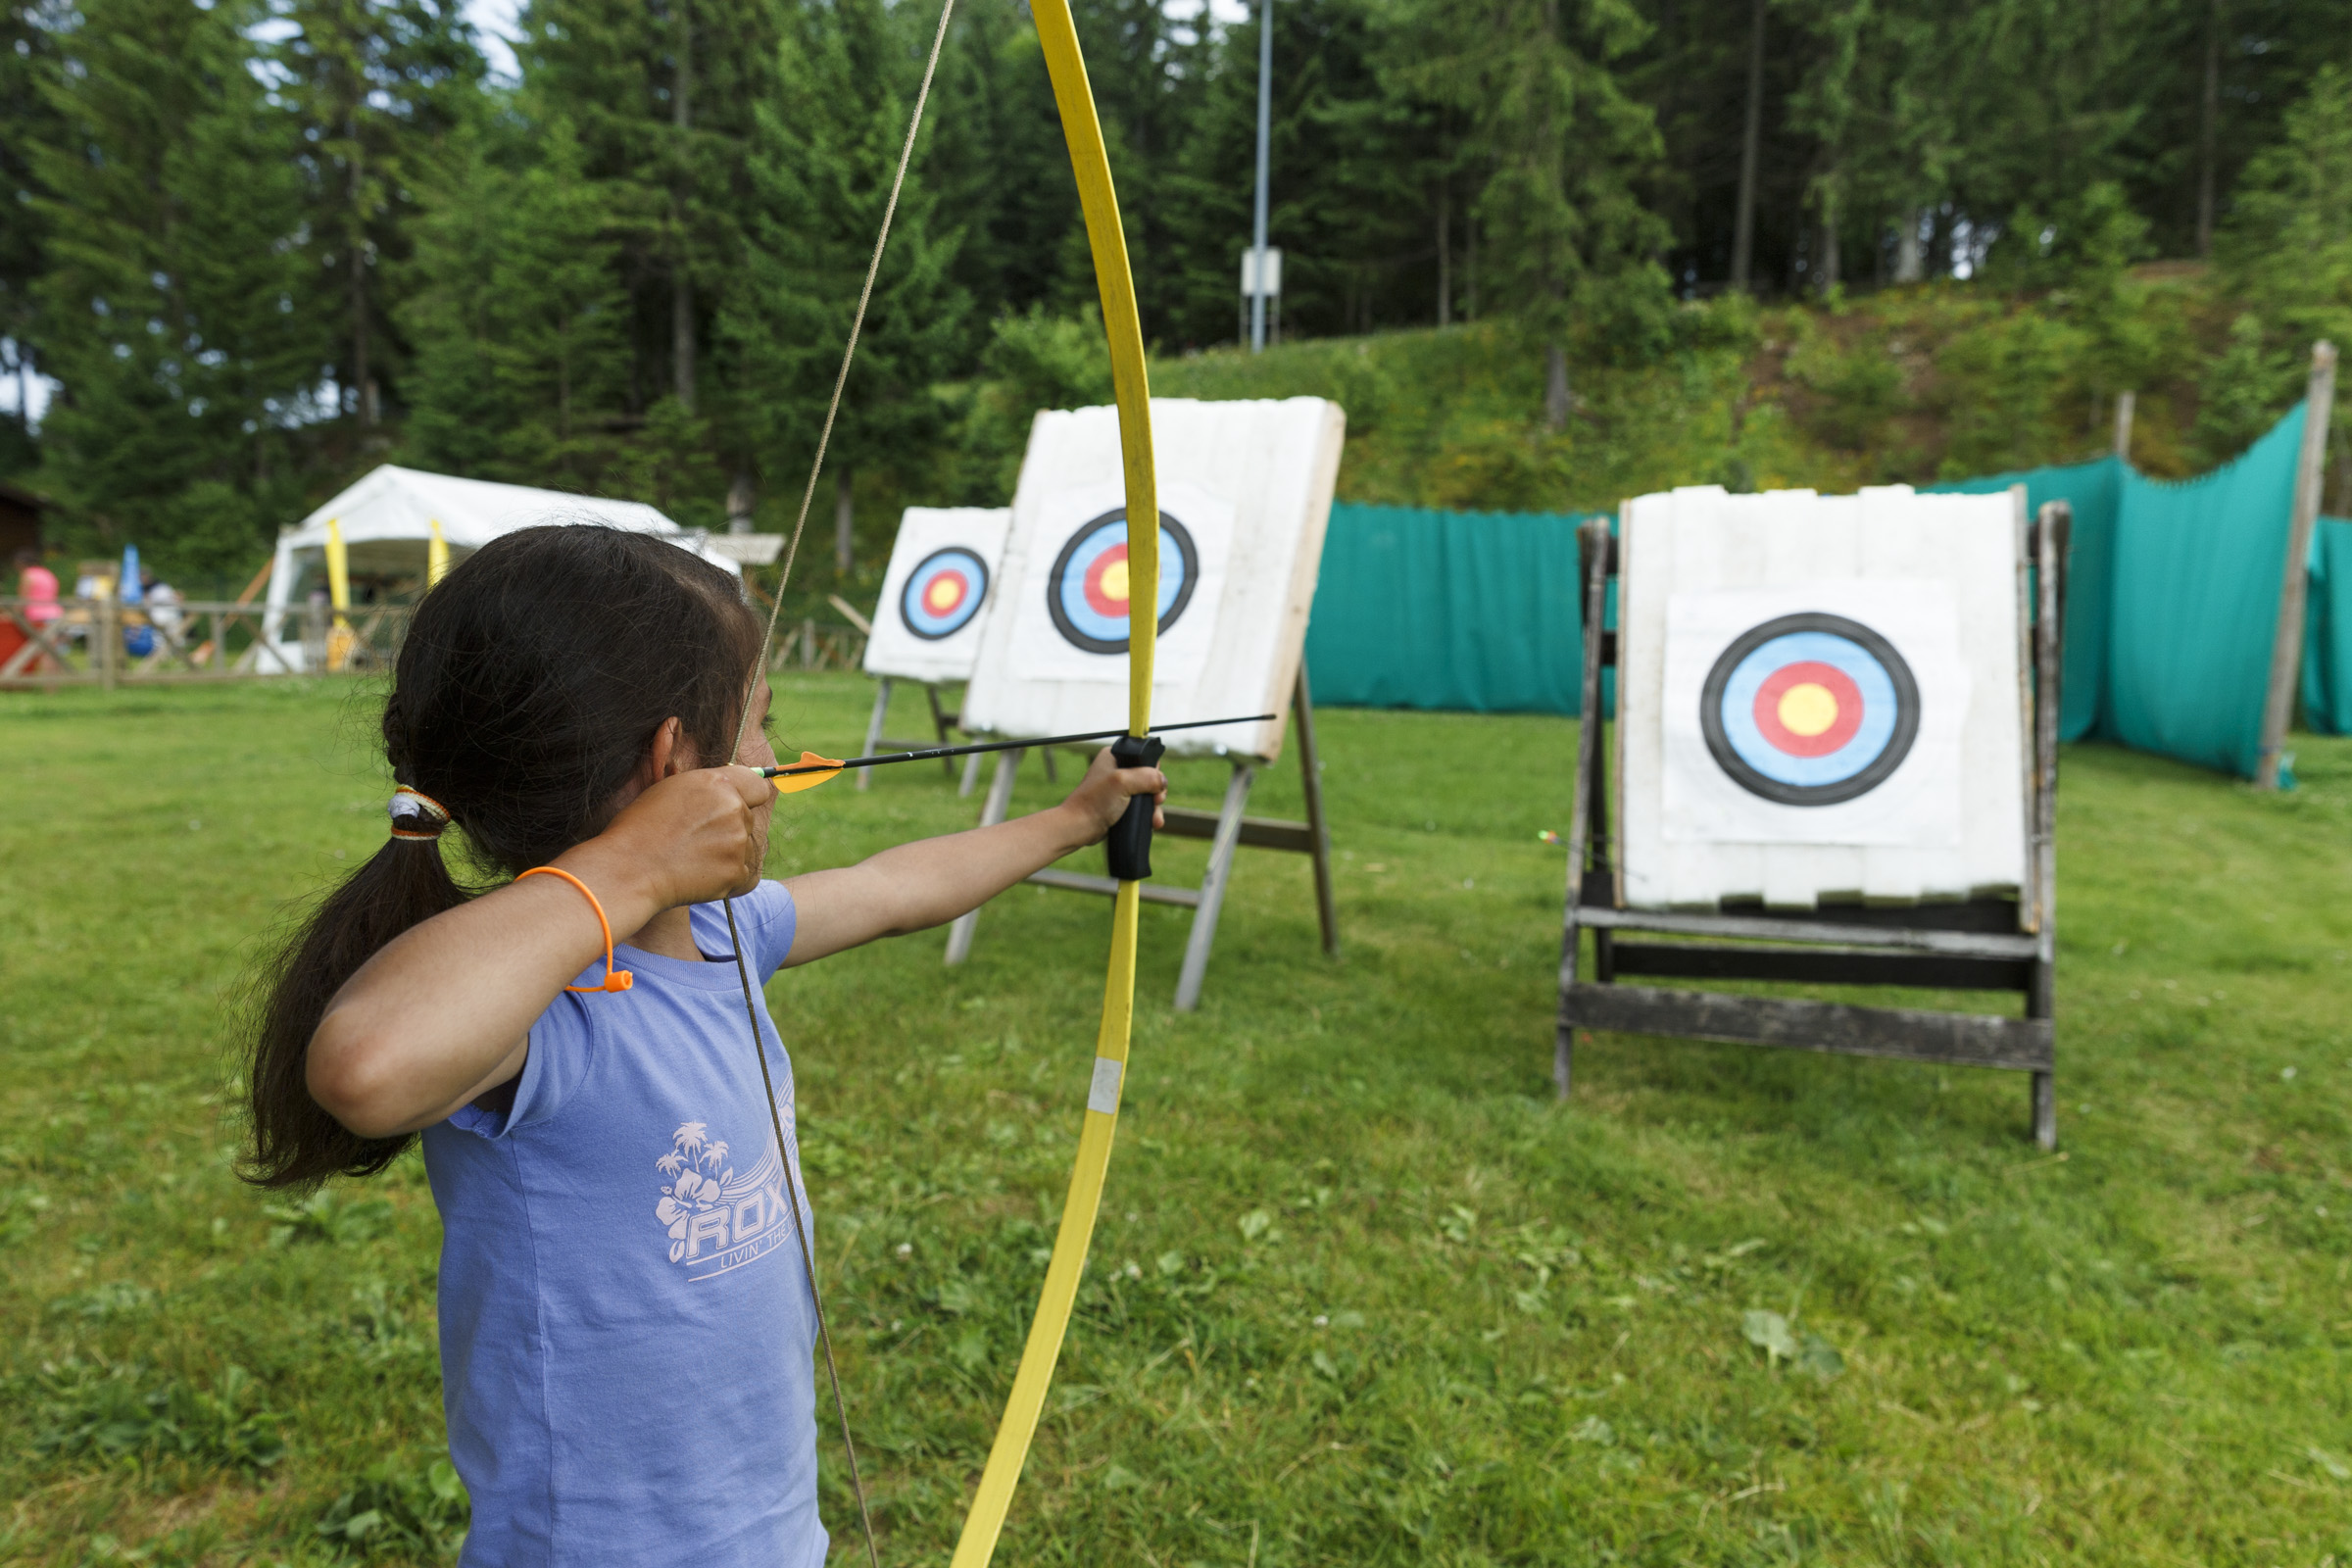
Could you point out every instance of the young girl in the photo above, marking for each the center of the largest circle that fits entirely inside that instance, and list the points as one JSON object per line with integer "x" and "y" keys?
{"x": 626, "y": 1320}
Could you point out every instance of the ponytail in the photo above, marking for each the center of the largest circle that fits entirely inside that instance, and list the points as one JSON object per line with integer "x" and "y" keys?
{"x": 529, "y": 685}
{"x": 295, "y": 1142}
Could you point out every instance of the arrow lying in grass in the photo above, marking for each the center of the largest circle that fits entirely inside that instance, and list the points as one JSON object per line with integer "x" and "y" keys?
{"x": 790, "y": 778}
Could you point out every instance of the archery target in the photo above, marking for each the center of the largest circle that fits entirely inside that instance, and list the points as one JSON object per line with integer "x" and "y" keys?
{"x": 1087, "y": 589}
{"x": 1819, "y": 698}
{"x": 938, "y": 593}
{"x": 943, "y": 593}
{"x": 1244, "y": 493}
{"x": 1809, "y": 710}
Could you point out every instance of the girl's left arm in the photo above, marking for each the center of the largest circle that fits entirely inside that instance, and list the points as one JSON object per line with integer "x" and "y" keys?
{"x": 932, "y": 881}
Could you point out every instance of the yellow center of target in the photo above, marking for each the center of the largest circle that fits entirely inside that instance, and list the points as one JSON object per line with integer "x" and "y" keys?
{"x": 1115, "y": 580}
{"x": 1807, "y": 708}
{"x": 942, "y": 594}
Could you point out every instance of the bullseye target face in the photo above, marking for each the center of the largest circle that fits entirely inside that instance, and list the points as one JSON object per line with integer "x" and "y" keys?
{"x": 1809, "y": 710}
{"x": 944, "y": 593}
{"x": 1087, "y": 591}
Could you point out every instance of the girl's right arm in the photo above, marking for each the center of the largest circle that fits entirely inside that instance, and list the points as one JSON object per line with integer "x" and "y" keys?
{"x": 442, "y": 1012}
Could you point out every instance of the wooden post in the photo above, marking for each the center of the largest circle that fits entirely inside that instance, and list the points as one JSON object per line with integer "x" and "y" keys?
{"x": 2124, "y": 404}
{"x": 1204, "y": 934}
{"x": 1311, "y": 768}
{"x": 1593, "y": 557}
{"x": 2050, "y": 539}
{"x": 873, "y": 731}
{"x": 2286, "y": 650}
{"x": 109, "y": 639}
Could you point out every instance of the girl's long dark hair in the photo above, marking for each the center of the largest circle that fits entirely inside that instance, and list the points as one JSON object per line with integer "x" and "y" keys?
{"x": 530, "y": 684}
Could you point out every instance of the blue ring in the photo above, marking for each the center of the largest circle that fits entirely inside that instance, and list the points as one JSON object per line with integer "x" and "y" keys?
{"x": 1841, "y": 653}
{"x": 1878, "y": 747}
{"x": 1079, "y": 622}
{"x": 918, "y": 616}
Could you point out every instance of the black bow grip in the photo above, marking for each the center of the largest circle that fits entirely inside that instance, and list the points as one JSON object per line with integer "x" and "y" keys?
{"x": 1130, "y": 843}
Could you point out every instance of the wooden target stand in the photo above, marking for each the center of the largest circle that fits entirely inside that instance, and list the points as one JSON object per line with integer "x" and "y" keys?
{"x": 1227, "y": 830}
{"x": 1981, "y": 944}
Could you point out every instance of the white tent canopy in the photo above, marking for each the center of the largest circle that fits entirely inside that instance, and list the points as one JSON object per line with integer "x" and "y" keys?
{"x": 386, "y": 521}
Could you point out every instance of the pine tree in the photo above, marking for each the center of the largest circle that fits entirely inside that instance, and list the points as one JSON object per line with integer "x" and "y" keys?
{"x": 996, "y": 161}
{"x": 820, "y": 170}
{"x": 28, "y": 65}
{"x": 1572, "y": 246}
{"x": 519, "y": 319}
{"x": 174, "y": 299}
{"x": 663, "y": 99}
{"x": 377, "y": 84}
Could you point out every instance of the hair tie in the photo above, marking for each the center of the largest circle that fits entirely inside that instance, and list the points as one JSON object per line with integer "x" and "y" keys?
{"x": 416, "y": 815}
{"x": 615, "y": 979}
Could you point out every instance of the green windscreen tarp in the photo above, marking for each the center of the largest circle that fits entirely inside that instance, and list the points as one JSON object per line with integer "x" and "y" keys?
{"x": 1471, "y": 611}
{"x": 2095, "y": 491}
{"x": 2195, "y": 605}
{"x": 2172, "y": 605}
{"x": 2327, "y": 630}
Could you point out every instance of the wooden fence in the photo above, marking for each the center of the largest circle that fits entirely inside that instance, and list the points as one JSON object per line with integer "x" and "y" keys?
{"x": 99, "y": 642}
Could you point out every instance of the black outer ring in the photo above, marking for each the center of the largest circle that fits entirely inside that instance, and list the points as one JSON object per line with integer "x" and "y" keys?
{"x": 1889, "y": 757}
{"x": 1069, "y": 552}
{"x": 916, "y": 575}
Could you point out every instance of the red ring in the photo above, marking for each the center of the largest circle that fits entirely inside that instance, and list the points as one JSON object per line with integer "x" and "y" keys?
{"x": 1841, "y": 690}
{"x": 949, "y": 575}
{"x": 1102, "y": 602}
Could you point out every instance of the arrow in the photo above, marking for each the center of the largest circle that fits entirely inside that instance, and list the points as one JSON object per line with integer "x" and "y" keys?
{"x": 790, "y": 778}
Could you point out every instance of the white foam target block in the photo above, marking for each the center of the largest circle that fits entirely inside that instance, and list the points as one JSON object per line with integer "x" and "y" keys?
{"x": 1821, "y": 698}
{"x": 1244, "y": 496}
{"x": 942, "y": 583}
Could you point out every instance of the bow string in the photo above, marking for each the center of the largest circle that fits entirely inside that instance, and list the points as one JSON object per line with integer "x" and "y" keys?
{"x": 1123, "y": 321}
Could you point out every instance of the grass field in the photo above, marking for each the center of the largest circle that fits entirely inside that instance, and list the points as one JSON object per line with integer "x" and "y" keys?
{"x": 1364, "y": 1292}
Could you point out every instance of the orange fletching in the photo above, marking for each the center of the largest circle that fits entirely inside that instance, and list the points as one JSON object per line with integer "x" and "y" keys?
{"x": 794, "y": 783}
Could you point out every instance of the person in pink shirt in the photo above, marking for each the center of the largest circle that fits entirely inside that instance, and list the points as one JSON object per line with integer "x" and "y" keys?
{"x": 36, "y": 585}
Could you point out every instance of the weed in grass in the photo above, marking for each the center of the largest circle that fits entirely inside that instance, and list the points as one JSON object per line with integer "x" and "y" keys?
{"x": 414, "y": 1511}
{"x": 89, "y": 1410}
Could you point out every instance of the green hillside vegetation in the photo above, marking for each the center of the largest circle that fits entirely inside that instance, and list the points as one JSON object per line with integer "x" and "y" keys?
{"x": 1915, "y": 384}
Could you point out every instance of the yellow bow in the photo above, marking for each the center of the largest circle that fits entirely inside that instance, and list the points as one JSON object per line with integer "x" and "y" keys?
{"x": 1089, "y": 160}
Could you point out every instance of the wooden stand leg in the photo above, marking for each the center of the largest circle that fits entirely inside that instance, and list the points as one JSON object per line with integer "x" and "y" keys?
{"x": 994, "y": 811}
{"x": 1311, "y": 777}
{"x": 971, "y": 778}
{"x": 873, "y": 731}
{"x": 1212, "y": 888}
{"x": 1593, "y": 553}
{"x": 942, "y": 723}
{"x": 2041, "y": 1002}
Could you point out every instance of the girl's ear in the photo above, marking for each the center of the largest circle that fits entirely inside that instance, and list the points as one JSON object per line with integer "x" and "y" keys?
{"x": 670, "y": 753}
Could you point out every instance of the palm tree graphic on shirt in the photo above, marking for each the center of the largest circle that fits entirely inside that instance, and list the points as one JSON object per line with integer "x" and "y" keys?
{"x": 705, "y": 1203}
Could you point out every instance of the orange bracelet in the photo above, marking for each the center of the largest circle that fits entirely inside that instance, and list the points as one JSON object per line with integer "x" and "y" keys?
{"x": 615, "y": 979}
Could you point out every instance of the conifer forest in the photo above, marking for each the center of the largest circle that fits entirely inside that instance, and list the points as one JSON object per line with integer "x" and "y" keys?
{"x": 253, "y": 247}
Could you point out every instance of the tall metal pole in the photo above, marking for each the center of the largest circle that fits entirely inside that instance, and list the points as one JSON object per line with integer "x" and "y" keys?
{"x": 1258, "y": 230}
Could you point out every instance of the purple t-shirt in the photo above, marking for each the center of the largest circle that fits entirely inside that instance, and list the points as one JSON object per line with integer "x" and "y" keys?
{"x": 627, "y": 1326}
